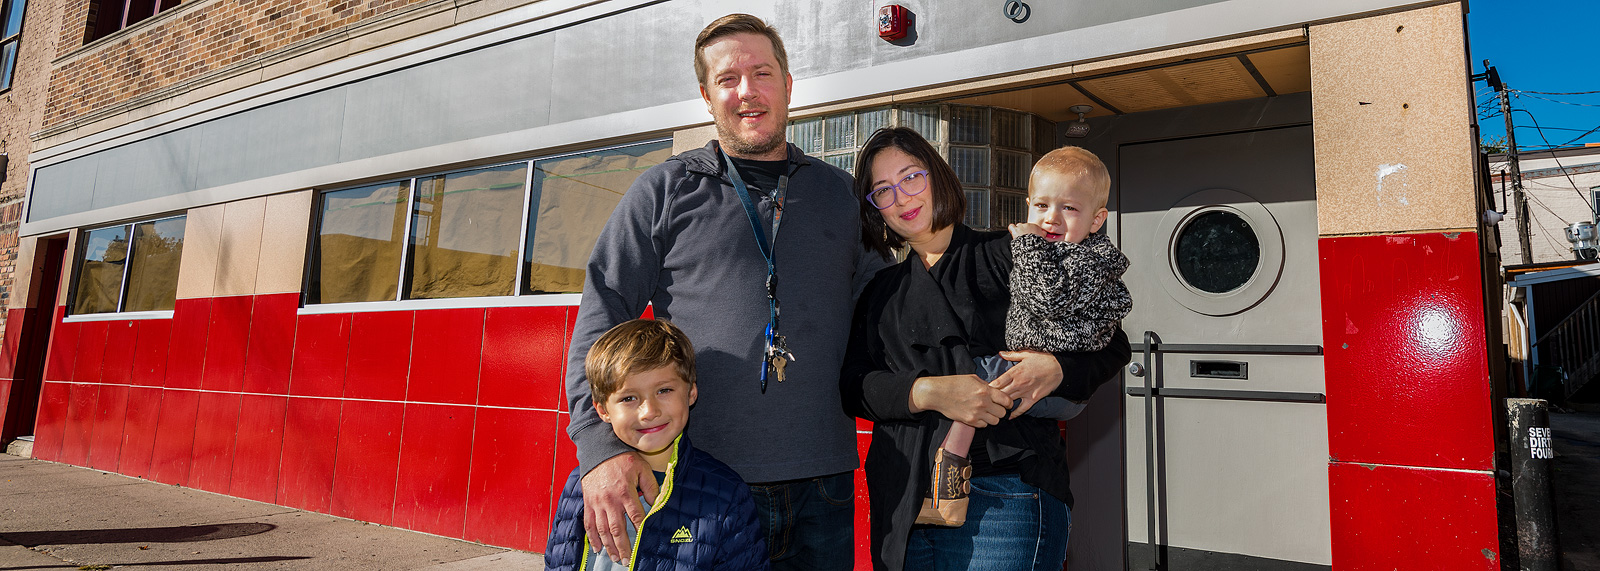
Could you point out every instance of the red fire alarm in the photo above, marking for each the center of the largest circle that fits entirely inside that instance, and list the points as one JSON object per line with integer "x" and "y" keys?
{"x": 894, "y": 21}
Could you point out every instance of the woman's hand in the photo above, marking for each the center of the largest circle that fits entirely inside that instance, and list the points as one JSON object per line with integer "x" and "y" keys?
{"x": 963, "y": 398}
{"x": 1034, "y": 377}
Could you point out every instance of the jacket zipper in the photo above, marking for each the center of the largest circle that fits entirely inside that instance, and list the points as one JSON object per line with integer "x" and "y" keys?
{"x": 661, "y": 502}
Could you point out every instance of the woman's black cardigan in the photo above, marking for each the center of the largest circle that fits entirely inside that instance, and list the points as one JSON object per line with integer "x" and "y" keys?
{"x": 915, "y": 322}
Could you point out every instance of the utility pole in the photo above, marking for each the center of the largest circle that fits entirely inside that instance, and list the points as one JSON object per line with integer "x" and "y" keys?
{"x": 1524, "y": 241}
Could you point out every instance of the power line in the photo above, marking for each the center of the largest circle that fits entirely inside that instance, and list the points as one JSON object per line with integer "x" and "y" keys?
{"x": 1519, "y": 95}
{"x": 1563, "y": 168}
{"x": 1554, "y": 93}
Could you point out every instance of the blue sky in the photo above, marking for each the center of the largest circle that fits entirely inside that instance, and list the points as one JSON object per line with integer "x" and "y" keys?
{"x": 1539, "y": 45}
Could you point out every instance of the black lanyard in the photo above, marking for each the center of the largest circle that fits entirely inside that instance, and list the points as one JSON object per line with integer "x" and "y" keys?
{"x": 774, "y": 340}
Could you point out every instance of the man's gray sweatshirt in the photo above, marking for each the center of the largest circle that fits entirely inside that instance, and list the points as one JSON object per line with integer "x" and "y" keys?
{"x": 680, "y": 240}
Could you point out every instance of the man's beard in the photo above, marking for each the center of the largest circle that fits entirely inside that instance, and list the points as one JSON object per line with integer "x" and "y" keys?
{"x": 736, "y": 145}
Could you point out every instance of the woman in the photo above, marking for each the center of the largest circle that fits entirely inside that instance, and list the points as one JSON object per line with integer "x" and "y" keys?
{"x": 909, "y": 366}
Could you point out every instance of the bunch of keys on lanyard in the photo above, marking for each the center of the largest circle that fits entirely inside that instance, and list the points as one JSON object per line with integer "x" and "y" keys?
{"x": 776, "y": 355}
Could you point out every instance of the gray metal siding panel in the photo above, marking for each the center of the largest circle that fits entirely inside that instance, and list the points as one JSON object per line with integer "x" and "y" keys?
{"x": 641, "y": 59}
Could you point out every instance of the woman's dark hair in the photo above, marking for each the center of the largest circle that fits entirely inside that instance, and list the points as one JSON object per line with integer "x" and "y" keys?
{"x": 949, "y": 202}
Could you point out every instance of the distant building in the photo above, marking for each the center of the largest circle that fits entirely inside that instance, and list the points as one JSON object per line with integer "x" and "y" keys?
{"x": 1559, "y": 184}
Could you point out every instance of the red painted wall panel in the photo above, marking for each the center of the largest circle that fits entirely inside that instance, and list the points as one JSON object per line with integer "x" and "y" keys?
{"x": 445, "y": 350}
{"x": 191, "y": 319}
{"x": 139, "y": 430}
{"x": 523, "y": 350}
{"x": 150, "y": 352}
{"x": 226, "y": 341}
{"x": 80, "y": 424}
{"x": 1388, "y": 518}
{"x": 49, "y": 428}
{"x": 380, "y": 354}
{"x": 511, "y": 478}
{"x": 122, "y": 338}
{"x": 216, "y": 427}
{"x": 105, "y": 446}
{"x": 271, "y": 352}
{"x": 91, "y": 351}
{"x": 1407, "y": 377}
{"x": 310, "y": 441}
{"x": 62, "y": 354}
{"x": 435, "y": 457}
{"x": 5, "y": 398}
{"x": 369, "y": 455}
{"x": 174, "y": 449}
{"x": 258, "y": 450}
{"x": 8, "y": 348}
{"x": 321, "y": 350}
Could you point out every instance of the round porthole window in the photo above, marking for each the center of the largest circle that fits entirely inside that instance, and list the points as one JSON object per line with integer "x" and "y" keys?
{"x": 1224, "y": 252}
{"x": 1217, "y": 252}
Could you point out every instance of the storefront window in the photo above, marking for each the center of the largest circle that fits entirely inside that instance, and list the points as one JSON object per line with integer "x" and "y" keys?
{"x": 105, "y": 253}
{"x": 359, "y": 240}
{"x": 571, "y": 199}
{"x": 464, "y": 236}
{"x": 464, "y": 233}
{"x": 153, "y": 265}
{"x": 115, "y": 275}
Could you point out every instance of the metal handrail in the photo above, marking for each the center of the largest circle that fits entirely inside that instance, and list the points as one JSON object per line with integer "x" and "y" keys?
{"x": 1573, "y": 345}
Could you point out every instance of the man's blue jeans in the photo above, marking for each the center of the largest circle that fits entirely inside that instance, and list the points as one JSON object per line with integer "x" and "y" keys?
{"x": 1010, "y": 526}
{"x": 809, "y": 524}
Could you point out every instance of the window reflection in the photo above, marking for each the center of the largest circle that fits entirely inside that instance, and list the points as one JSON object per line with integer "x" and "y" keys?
{"x": 100, "y": 277}
{"x": 572, "y": 197}
{"x": 153, "y": 268}
{"x": 1217, "y": 252}
{"x": 464, "y": 233}
{"x": 358, "y": 244}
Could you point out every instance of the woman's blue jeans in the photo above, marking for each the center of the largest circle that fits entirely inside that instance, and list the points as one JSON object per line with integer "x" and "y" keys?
{"x": 1010, "y": 526}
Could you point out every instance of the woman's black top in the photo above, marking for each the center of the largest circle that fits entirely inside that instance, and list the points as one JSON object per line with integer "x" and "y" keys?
{"x": 913, "y": 322}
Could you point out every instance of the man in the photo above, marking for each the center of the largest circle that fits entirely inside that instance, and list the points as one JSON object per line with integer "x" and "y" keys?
{"x": 684, "y": 240}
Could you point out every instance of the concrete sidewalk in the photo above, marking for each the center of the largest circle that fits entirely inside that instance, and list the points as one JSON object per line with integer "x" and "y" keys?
{"x": 55, "y": 516}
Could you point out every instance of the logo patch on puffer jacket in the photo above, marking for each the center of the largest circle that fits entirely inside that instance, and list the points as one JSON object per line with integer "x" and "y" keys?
{"x": 682, "y": 535}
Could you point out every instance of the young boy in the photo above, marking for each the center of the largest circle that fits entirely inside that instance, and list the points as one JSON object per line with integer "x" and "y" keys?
{"x": 1066, "y": 295}
{"x": 642, "y": 376}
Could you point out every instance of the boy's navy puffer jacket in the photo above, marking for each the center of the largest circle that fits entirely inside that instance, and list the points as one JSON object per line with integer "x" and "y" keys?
{"x": 702, "y": 519}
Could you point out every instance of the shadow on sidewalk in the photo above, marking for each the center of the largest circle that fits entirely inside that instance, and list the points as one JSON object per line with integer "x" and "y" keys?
{"x": 221, "y": 561}
{"x": 182, "y": 534}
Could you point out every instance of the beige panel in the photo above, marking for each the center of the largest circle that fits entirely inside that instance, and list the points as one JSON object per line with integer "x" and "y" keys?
{"x": 1287, "y": 70}
{"x": 283, "y": 242}
{"x": 689, "y": 139}
{"x": 23, "y": 292}
{"x": 202, "y": 239}
{"x": 1198, "y": 83}
{"x": 240, "y": 250}
{"x": 1391, "y": 107}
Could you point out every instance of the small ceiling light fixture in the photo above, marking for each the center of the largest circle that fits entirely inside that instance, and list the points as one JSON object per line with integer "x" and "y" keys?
{"x": 1080, "y": 128}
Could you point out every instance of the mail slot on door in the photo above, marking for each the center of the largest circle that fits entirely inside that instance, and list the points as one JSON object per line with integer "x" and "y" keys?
{"x": 1219, "y": 369}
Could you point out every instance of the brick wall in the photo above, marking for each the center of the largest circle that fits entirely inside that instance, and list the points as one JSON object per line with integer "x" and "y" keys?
{"x": 186, "y": 42}
{"x": 21, "y": 113}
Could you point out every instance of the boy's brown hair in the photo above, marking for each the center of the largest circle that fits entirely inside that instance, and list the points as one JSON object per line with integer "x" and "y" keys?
{"x": 634, "y": 347}
{"x": 1075, "y": 162}
{"x": 736, "y": 24}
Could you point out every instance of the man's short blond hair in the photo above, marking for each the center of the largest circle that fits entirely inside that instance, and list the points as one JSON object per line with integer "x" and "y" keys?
{"x": 732, "y": 24}
{"x": 635, "y": 347}
{"x": 1075, "y": 162}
